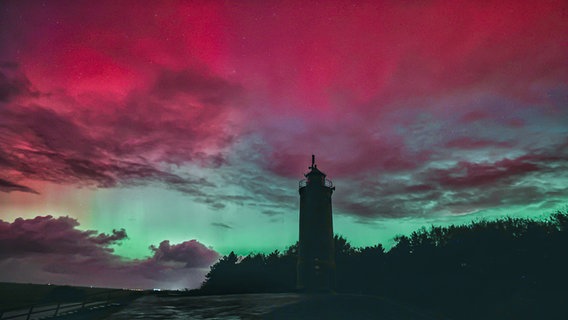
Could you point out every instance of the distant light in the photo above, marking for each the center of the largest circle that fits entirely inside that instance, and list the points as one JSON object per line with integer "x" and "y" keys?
{"x": 157, "y": 289}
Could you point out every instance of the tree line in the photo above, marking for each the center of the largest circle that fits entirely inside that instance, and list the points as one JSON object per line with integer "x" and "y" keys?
{"x": 509, "y": 267}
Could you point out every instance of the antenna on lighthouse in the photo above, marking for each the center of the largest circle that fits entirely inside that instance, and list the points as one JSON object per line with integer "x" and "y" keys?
{"x": 313, "y": 161}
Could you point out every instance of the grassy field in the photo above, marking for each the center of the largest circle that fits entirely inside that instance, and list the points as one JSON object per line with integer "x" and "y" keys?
{"x": 19, "y": 295}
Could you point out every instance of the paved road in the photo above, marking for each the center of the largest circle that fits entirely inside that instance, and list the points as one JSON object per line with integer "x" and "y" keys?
{"x": 266, "y": 306}
{"x": 247, "y": 306}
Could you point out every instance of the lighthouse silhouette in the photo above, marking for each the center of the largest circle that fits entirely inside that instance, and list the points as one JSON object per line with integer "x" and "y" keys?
{"x": 316, "y": 258}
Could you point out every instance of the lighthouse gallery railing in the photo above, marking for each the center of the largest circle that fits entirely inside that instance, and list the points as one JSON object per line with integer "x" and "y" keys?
{"x": 304, "y": 182}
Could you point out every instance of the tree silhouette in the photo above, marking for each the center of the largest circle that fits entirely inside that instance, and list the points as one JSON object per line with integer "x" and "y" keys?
{"x": 509, "y": 268}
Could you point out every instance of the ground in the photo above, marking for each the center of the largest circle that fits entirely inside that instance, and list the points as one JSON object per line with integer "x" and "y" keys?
{"x": 268, "y": 306}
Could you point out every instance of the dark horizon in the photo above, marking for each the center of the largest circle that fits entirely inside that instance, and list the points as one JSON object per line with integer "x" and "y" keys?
{"x": 345, "y": 243}
{"x": 507, "y": 268}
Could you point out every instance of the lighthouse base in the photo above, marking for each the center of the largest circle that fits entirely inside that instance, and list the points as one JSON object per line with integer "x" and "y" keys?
{"x": 315, "y": 276}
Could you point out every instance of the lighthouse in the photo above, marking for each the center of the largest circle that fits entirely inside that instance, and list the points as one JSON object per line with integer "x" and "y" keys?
{"x": 316, "y": 258}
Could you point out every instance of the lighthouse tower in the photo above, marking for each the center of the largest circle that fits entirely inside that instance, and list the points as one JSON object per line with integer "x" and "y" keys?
{"x": 316, "y": 260}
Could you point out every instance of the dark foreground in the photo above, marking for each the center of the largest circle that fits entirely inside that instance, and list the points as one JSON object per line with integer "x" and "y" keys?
{"x": 267, "y": 306}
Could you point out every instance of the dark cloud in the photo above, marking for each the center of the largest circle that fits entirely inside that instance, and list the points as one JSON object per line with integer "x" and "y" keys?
{"x": 472, "y": 143}
{"x": 170, "y": 123}
{"x": 8, "y": 186}
{"x": 504, "y": 172}
{"x": 266, "y": 189}
{"x": 493, "y": 197}
{"x": 59, "y": 151}
{"x": 48, "y": 235}
{"x": 61, "y": 253}
{"x": 333, "y": 143}
{"x": 192, "y": 253}
{"x": 14, "y": 84}
{"x": 462, "y": 188}
{"x": 272, "y": 212}
{"x": 468, "y": 174}
{"x": 221, "y": 225}
{"x": 106, "y": 239}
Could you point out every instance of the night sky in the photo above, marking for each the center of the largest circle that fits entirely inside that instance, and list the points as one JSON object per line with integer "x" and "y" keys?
{"x": 141, "y": 140}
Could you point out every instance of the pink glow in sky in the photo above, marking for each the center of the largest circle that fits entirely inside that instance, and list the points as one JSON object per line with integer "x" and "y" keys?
{"x": 416, "y": 109}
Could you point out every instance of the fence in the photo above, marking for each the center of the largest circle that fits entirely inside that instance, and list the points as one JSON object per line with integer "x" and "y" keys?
{"x": 98, "y": 300}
